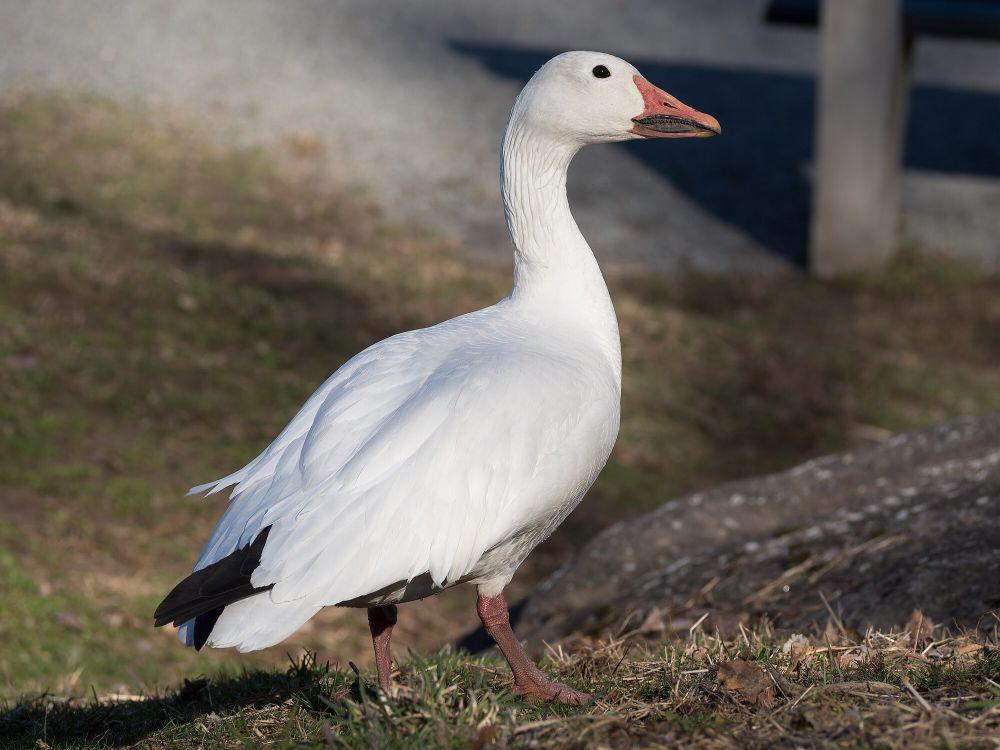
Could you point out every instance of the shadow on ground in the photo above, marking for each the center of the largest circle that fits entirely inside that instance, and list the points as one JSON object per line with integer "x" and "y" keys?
{"x": 756, "y": 176}
{"x": 46, "y": 723}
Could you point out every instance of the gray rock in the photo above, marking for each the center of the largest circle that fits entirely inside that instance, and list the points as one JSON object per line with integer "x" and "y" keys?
{"x": 913, "y": 522}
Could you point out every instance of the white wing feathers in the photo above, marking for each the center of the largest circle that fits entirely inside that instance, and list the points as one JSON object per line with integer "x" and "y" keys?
{"x": 417, "y": 456}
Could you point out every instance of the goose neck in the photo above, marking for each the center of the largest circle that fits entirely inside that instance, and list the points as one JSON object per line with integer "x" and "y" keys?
{"x": 548, "y": 245}
{"x": 555, "y": 272}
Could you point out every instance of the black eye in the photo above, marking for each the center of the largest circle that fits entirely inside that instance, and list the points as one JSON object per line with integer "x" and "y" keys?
{"x": 601, "y": 72}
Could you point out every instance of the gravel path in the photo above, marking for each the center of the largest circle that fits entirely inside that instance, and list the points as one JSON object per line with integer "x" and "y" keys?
{"x": 411, "y": 98}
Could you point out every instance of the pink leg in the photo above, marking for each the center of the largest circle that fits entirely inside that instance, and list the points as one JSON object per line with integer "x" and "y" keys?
{"x": 381, "y": 620}
{"x": 529, "y": 680}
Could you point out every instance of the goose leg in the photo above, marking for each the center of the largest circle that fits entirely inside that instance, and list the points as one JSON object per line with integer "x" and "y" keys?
{"x": 380, "y": 621}
{"x": 529, "y": 681}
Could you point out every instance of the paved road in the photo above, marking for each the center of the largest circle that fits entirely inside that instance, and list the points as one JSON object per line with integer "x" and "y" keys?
{"x": 412, "y": 98}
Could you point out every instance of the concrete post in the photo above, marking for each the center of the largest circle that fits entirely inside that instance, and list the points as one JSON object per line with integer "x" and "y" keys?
{"x": 864, "y": 70}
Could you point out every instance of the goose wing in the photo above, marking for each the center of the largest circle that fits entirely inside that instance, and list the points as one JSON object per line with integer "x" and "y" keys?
{"x": 417, "y": 456}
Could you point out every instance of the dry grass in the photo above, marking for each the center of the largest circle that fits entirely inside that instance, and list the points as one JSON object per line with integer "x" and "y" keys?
{"x": 921, "y": 687}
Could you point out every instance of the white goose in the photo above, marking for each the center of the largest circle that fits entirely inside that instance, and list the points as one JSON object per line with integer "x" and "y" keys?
{"x": 444, "y": 455}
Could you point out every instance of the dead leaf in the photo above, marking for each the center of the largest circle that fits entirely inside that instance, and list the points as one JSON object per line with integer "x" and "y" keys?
{"x": 486, "y": 737}
{"x": 968, "y": 651}
{"x": 832, "y": 633}
{"x": 852, "y": 658}
{"x": 747, "y": 680}
{"x": 797, "y": 648}
{"x": 653, "y": 623}
{"x": 920, "y": 627}
{"x": 796, "y": 642}
{"x": 696, "y": 652}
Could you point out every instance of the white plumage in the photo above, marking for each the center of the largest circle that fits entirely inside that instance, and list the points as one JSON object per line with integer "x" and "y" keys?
{"x": 418, "y": 456}
{"x": 444, "y": 455}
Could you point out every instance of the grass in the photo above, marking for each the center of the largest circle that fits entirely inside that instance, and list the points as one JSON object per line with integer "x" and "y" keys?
{"x": 167, "y": 303}
{"x": 901, "y": 689}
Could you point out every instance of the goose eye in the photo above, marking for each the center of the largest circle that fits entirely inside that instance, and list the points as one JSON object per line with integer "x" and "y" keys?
{"x": 601, "y": 72}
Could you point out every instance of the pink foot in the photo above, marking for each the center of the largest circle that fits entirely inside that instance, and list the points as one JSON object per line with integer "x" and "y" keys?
{"x": 552, "y": 691}
{"x": 529, "y": 681}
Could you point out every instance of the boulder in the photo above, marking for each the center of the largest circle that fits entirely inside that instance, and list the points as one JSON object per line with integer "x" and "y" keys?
{"x": 868, "y": 536}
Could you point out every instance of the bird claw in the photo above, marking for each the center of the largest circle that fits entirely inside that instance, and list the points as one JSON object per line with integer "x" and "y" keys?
{"x": 552, "y": 691}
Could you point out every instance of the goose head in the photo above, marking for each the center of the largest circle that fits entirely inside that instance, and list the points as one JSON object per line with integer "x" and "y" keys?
{"x": 591, "y": 97}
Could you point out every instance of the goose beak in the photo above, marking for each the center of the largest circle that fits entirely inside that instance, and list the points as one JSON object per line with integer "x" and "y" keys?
{"x": 666, "y": 117}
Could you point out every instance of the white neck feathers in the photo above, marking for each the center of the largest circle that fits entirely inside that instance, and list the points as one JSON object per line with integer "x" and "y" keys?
{"x": 548, "y": 244}
{"x": 553, "y": 264}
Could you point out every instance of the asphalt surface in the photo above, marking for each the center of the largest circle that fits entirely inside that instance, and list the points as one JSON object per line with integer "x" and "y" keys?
{"x": 412, "y": 97}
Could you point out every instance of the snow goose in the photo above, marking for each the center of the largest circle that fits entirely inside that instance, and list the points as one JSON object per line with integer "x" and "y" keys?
{"x": 445, "y": 455}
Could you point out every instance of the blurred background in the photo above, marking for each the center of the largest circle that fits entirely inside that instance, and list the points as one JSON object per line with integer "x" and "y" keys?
{"x": 206, "y": 207}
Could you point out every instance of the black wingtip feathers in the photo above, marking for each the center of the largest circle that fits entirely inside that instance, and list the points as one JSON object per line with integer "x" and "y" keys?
{"x": 204, "y": 594}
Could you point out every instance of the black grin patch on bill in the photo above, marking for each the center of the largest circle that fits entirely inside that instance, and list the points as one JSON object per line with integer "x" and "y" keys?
{"x": 671, "y": 124}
